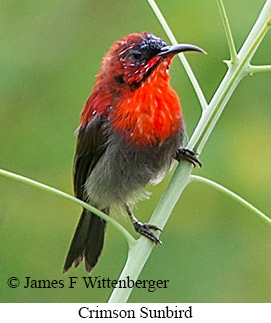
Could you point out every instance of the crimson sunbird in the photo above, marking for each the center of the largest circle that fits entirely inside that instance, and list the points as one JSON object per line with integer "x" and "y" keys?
{"x": 131, "y": 131}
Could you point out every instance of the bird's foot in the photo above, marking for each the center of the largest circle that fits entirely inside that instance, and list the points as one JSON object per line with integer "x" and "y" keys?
{"x": 189, "y": 155}
{"x": 145, "y": 230}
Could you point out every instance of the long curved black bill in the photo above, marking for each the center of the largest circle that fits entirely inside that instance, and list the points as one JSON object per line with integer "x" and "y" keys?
{"x": 175, "y": 49}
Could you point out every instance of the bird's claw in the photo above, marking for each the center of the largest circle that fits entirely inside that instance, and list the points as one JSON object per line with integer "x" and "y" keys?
{"x": 145, "y": 230}
{"x": 189, "y": 155}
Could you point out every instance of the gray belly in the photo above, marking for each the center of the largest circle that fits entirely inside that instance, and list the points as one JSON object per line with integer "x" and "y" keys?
{"x": 123, "y": 170}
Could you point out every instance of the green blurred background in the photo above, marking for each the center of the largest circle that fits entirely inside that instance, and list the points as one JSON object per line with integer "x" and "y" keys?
{"x": 213, "y": 249}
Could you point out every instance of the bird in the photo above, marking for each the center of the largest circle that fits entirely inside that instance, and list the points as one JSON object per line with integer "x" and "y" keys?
{"x": 130, "y": 134}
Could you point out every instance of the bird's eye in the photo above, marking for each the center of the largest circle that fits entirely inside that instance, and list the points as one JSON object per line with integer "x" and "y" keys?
{"x": 137, "y": 55}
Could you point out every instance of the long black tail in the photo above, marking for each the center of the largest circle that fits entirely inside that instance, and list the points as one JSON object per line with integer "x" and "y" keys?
{"x": 87, "y": 241}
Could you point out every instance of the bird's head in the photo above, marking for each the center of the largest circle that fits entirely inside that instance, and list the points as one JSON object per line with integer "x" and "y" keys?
{"x": 130, "y": 62}
{"x": 133, "y": 58}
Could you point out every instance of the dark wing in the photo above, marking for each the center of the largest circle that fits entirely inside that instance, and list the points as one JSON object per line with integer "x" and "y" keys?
{"x": 90, "y": 146}
{"x": 88, "y": 238}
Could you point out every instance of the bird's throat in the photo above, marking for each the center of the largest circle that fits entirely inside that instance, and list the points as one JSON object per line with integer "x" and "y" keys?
{"x": 151, "y": 113}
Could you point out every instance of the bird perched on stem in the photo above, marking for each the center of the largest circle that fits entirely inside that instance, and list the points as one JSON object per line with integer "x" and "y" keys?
{"x": 131, "y": 130}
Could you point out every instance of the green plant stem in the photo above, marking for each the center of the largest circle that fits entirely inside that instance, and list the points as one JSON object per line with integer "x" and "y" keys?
{"x": 259, "y": 69}
{"x": 232, "y": 195}
{"x": 46, "y": 188}
{"x": 232, "y": 78}
{"x": 141, "y": 251}
{"x": 181, "y": 56}
{"x": 139, "y": 254}
{"x": 143, "y": 247}
{"x": 233, "y": 53}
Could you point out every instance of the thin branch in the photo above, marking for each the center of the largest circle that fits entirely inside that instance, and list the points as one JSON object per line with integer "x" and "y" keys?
{"x": 258, "y": 31}
{"x": 259, "y": 69}
{"x": 181, "y": 56}
{"x": 233, "y": 53}
{"x": 232, "y": 195}
{"x": 231, "y": 80}
{"x": 31, "y": 182}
